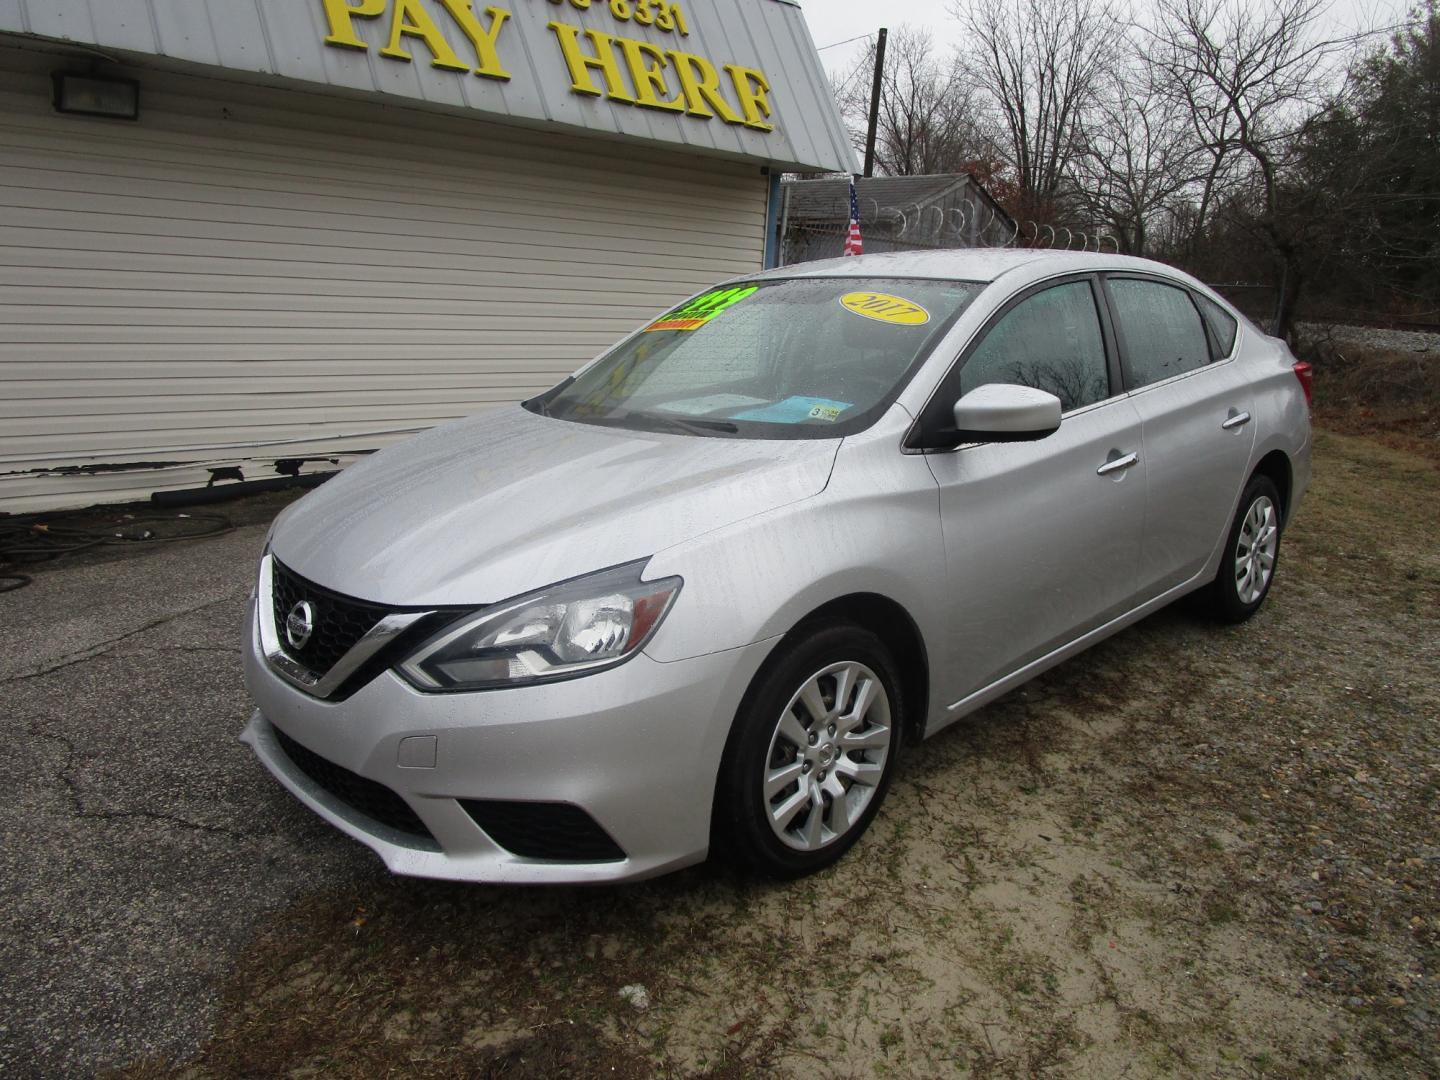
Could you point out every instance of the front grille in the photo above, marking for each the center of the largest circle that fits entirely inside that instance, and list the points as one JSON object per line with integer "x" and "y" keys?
{"x": 372, "y": 799}
{"x": 339, "y": 620}
{"x": 558, "y": 832}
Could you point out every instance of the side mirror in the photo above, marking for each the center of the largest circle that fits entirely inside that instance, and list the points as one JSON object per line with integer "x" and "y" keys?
{"x": 1004, "y": 412}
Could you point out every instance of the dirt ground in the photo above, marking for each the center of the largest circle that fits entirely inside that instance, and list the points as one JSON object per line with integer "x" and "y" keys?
{"x": 1193, "y": 851}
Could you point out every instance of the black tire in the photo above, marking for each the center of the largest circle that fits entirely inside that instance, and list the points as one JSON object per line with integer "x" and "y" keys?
{"x": 1223, "y": 599}
{"x": 742, "y": 826}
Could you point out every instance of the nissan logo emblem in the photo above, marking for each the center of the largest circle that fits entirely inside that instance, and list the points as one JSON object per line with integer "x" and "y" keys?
{"x": 300, "y": 624}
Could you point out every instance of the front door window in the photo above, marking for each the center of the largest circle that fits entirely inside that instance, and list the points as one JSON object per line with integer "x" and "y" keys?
{"x": 1050, "y": 341}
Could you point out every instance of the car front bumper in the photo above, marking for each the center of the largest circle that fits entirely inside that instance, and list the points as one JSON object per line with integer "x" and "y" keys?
{"x": 637, "y": 748}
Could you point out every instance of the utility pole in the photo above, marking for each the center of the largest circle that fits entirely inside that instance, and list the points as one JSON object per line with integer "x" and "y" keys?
{"x": 875, "y": 103}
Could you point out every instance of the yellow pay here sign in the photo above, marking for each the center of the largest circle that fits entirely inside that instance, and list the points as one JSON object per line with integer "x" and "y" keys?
{"x": 601, "y": 65}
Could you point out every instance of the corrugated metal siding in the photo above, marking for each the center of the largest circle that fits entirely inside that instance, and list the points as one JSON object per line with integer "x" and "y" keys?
{"x": 285, "y": 40}
{"x": 249, "y": 274}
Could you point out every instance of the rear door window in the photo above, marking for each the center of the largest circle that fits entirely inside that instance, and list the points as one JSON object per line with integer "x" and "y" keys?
{"x": 1161, "y": 334}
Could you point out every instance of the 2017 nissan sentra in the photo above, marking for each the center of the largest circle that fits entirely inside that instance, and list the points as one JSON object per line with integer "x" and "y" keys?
{"x": 705, "y": 590}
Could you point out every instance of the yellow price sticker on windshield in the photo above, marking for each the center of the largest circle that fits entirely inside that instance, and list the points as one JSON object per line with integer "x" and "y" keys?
{"x": 882, "y": 307}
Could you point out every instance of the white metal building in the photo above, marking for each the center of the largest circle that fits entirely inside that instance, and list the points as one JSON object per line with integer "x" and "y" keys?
{"x": 336, "y": 222}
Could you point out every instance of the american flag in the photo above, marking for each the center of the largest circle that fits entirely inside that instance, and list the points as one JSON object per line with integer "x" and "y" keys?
{"x": 853, "y": 246}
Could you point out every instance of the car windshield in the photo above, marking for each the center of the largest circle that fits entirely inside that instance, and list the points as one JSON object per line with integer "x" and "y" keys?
{"x": 774, "y": 359}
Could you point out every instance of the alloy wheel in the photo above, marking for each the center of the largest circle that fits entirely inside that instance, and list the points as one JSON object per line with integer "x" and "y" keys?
{"x": 827, "y": 755}
{"x": 1255, "y": 550}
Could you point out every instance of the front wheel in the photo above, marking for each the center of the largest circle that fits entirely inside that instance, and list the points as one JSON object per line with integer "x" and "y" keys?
{"x": 1252, "y": 551}
{"x": 812, "y": 752}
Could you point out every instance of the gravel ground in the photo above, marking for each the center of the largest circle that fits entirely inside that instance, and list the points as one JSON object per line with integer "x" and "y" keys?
{"x": 1371, "y": 337}
{"x": 1193, "y": 851}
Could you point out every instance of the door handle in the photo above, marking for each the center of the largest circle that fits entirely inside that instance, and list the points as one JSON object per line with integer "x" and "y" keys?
{"x": 1115, "y": 464}
{"x": 1236, "y": 420}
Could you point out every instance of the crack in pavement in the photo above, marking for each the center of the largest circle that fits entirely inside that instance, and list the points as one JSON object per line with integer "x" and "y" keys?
{"x": 104, "y": 648}
{"x": 143, "y": 649}
{"x": 78, "y": 809}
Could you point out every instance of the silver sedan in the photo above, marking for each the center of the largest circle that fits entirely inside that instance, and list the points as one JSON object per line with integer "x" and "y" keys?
{"x": 703, "y": 592}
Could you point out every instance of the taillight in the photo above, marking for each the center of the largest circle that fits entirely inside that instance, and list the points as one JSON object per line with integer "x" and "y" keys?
{"x": 1306, "y": 374}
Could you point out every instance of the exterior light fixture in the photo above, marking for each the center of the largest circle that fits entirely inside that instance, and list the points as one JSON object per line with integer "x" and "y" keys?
{"x": 90, "y": 95}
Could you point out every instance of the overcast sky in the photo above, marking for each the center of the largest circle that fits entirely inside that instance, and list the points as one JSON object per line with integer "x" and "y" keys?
{"x": 835, "y": 20}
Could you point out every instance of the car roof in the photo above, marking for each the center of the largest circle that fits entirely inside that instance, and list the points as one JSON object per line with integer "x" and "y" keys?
{"x": 966, "y": 264}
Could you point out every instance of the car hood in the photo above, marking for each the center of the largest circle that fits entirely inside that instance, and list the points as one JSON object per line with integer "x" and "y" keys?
{"x": 507, "y": 501}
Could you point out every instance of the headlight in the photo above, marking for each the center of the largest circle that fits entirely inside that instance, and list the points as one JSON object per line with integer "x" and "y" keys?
{"x": 572, "y": 628}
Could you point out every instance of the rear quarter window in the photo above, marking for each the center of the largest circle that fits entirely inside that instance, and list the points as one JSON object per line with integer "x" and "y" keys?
{"x": 1222, "y": 324}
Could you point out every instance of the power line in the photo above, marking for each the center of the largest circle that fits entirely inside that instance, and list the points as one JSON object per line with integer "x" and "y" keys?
{"x": 1359, "y": 35}
{"x": 847, "y": 41}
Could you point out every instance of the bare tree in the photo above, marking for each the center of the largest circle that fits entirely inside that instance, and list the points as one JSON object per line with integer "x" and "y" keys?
{"x": 1040, "y": 63}
{"x": 1137, "y": 152}
{"x": 926, "y": 121}
{"x": 1251, "y": 77}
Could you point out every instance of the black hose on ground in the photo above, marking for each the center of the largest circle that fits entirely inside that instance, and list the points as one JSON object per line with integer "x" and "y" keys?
{"x": 40, "y": 538}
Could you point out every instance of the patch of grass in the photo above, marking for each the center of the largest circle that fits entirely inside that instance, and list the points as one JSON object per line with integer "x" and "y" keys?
{"x": 441, "y": 980}
{"x": 1370, "y": 521}
{"x": 1220, "y": 912}
{"x": 1392, "y": 395}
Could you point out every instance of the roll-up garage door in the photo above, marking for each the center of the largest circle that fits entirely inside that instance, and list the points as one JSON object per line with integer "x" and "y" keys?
{"x": 249, "y": 275}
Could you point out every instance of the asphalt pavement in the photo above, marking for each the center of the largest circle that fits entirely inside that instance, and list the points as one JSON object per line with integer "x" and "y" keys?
{"x": 140, "y": 843}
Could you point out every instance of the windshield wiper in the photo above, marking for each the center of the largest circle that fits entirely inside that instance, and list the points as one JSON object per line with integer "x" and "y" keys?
{"x": 635, "y": 420}
{"x": 541, "y": 402}
{"x": 690, "y": 424}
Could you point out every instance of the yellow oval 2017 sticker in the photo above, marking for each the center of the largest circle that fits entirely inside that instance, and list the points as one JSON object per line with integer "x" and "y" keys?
{"x": 882, "y": 307}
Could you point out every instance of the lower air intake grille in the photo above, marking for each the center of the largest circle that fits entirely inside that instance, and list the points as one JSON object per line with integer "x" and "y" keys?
{"x": 558, "y": 832}
{"x": 375, "y": 801}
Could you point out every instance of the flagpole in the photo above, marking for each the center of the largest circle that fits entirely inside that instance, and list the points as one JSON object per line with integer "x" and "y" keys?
{"x": 854, "y": 245}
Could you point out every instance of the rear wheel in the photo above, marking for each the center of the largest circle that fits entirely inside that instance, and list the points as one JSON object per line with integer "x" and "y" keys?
{"x": 1252, "y": 551}
{"x": 812, "y": 752}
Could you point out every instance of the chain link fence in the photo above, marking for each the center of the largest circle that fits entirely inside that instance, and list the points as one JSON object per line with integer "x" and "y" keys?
{"x": 940, "y": 212}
